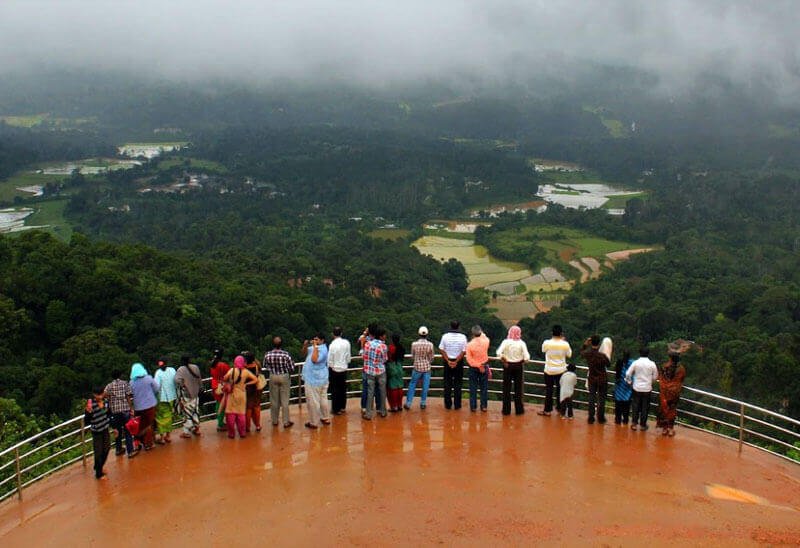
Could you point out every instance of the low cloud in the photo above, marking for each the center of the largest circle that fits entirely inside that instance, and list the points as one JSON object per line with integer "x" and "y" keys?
{"x": 387, "y": 42}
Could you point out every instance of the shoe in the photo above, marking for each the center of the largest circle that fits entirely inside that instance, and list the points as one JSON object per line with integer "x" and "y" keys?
{"x": 134, "y": 453}
{"x": 159, "y": 442}
{"x": 601, "y": 421}
{"x": 341, "y": 412}
{"x": 326, "y": 422}
{"x": 311, "y": 426}
{"x": 671, "y": 432}
{"x": 407, "y": 407}
{"x": 119, "y": 452}
{"x": 506, "y": 412}
{"x": 591, "y": 420}
{"x": 258, "y": 429}
{"x": 186, "y": 436}
{"x": 571, "y": 417}
{"x": 564, "y": 417}
{"x": 483, "y": 409}
{"x": 519, "y": 412}
{"x": 101, "y": 476}
{"x": 383, "y": 415}
{"x": 633, "y": 427}
{"x": 473, "y": 409}
{"x": 643, "y": 428}
{"x": 617, "y": 422}
{"x": 543, "y": 413}
{"x": 422, "y": 406}
{"x": 365, "y": 417}
{"x": 287, "y": 424}
{"x": 196, "y": 431}
{"x": 221, "y": 429}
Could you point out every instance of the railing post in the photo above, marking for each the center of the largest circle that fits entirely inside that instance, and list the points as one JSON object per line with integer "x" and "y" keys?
{"x": 19, "y": 475}
{"x": 83, "y": 441}
{"x": 741, "y": 426}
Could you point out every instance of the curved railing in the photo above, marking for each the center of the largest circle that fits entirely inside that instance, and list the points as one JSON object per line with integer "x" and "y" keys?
{"x": 68, "y": 442}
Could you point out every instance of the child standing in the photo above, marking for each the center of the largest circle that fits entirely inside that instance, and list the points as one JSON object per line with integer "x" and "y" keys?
{"x": 394, "y": 373}
{"x": 622, "y": 391}
{"x": 568, "y": 381}
{"x": 98, "y": 417}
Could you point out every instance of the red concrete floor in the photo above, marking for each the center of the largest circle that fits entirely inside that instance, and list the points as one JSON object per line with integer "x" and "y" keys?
{"x": 431, "y": 477}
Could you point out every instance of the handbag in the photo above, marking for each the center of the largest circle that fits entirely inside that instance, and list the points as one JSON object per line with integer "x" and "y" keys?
{"x": 132, "y": 426}
{"x": 262, "y": 381}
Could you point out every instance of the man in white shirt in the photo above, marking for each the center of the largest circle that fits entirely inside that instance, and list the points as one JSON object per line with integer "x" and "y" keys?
{"x": 556, "y": 350}
{"x": 641, "y": 375}
{"x": 453, "y": 346}
{"x": 339, "y": 357}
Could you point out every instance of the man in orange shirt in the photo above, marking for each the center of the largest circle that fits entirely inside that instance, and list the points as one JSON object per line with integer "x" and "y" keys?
{"x": 477, "y": 356}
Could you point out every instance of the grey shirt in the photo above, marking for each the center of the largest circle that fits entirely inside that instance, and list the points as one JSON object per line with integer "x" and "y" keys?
{"x": 190, "y": 379}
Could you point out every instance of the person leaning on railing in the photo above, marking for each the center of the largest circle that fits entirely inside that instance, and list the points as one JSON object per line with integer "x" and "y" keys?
{"x": 453, "y": 345}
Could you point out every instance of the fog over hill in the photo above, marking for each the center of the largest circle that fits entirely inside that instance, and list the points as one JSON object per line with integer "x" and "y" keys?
{"x": 747, "y": 44}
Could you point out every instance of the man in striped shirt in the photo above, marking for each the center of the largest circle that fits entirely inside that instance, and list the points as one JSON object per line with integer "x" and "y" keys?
{"x": 453, "y": 346}
{"x": 422, "y": 353}
{"x": 280, "y": 366}
{"x": 98, "y": 417}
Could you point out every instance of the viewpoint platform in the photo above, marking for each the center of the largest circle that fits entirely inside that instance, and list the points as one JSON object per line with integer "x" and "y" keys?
{"x": 421, "y": 477}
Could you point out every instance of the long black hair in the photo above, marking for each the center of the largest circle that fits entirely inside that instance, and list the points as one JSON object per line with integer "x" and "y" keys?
{"x": 399, "y": 349}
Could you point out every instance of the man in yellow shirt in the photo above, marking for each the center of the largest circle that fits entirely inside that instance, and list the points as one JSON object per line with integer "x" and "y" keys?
{"x": 556, "y": 350}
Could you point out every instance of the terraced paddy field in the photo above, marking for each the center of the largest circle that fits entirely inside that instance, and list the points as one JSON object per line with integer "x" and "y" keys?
{"x": 483, "y": 269}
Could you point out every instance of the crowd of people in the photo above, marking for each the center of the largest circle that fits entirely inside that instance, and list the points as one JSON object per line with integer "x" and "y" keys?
{"x": 142, "y": 408}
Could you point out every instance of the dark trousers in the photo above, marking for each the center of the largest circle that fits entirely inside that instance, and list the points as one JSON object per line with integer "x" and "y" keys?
{"x": 478, "y": 382}
{"x": 512, "y": 373}
{"x": 641, "y": 405}
{"x": 597, "y": 398}
{"x": 101, "y": 444}
{"x": 622, "y": 411}
{"x": 118, "y": 421}
{"x": 453, "y": 384}
{"x": 566, "y": 407}
{"x": 338, "y": 384}
{"x": 552, "y": 389}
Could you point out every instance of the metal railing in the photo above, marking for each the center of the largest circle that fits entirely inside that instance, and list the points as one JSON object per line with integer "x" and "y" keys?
{"x": 64, "y": 444}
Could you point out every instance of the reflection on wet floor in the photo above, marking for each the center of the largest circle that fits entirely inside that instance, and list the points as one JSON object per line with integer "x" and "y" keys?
{"x": 543, "y": 480}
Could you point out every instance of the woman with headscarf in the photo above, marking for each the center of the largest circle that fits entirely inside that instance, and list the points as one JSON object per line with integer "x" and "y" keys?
{"x": 514, "y": 353}
{"x": 670, "y": 383}
{"x": 167, "y": 394}
{"x": 144, "y": 389}
{"x": 253, "y": 404}
{"x": 235, "y": 401}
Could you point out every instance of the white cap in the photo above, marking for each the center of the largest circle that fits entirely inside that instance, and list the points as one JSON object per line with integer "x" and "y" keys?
{"x": 423, "y": 331}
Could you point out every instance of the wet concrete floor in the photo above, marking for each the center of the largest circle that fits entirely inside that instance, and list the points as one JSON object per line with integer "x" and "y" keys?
{"x": 430, "y": 477}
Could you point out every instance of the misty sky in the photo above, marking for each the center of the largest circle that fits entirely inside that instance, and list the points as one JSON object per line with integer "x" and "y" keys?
{"x": 381, "y": 41}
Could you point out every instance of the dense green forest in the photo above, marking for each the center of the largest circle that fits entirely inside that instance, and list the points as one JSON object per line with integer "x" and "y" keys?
{"x": 72, "y": 313}
{"x": 276, "y": 240}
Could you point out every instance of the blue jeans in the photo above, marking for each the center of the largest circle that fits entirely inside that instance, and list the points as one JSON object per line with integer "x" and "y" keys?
{"x": 412, "y": 386}
{"x": 478, "y": 380}
{"x": 364, "y": 392}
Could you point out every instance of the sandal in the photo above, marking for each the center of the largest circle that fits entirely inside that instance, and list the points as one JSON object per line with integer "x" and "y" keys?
{"x": 312, "y": 426}
{"x": 326, "y": 422}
